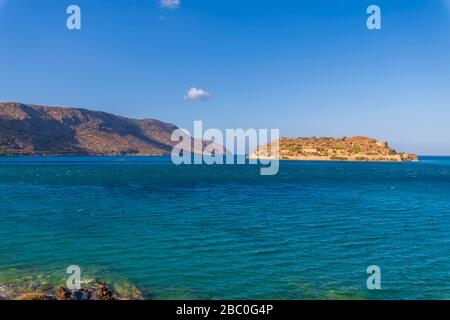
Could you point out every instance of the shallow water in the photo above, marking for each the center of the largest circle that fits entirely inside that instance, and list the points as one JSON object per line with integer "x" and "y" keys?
{"x": 225, "y": 232}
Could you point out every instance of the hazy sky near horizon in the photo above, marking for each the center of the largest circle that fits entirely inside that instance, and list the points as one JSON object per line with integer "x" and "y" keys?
{"x": 309, "y": 68}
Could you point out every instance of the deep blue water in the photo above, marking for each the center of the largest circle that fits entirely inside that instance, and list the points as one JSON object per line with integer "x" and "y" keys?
{"x": 225, "y": 232}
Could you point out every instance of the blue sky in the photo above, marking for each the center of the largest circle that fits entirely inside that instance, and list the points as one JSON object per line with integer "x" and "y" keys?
{"x": 309, "y": 68}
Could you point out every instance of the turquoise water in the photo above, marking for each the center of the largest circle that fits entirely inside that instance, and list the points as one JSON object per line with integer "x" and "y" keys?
{"x": 225, "y": 232}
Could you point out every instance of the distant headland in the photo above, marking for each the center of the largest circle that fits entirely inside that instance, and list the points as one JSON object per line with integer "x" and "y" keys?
{"x": 33, "y": 130}
{"x": 328, "y": 149}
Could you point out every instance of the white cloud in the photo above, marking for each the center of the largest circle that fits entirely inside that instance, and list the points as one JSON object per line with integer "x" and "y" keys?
{"x": 169, "y": 4}
{"x": 197, "y": 94}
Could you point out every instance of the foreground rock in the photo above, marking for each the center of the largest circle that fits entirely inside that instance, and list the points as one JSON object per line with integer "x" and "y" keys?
{"x": 342, "y": 149}
{"x": 93, "y": 291}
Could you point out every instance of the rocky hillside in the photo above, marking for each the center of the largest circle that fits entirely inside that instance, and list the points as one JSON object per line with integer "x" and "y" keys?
{"x": 39, "y": 130}
{"x": 345, "y": 149}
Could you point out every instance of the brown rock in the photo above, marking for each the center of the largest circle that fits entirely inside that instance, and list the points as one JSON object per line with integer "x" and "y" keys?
{"x": 104, "y": 293}
{"x": 34, "y": 296}
{"x": 63, "y": 294}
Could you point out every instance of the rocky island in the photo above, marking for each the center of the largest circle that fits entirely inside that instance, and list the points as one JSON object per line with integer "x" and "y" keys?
{"x": 328, "y": 149}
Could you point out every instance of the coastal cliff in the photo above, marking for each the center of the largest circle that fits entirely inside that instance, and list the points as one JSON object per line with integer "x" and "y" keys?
{"x": 40, "y": 130}
{"x": 339, "y": 149}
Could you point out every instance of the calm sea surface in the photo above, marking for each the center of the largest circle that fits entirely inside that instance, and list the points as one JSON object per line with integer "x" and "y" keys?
{"x": 225, "y": 232}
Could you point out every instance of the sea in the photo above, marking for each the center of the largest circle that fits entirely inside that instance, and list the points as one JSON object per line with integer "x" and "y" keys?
{"x": 313, "y": 231}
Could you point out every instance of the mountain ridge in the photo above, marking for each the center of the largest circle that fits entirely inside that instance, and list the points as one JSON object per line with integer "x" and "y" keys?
{"x": 29, "y": 129}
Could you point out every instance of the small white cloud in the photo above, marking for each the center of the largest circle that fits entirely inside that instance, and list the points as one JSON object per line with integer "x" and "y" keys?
{"x": 170, "y": 4}
{"x": 197, "y": 94}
